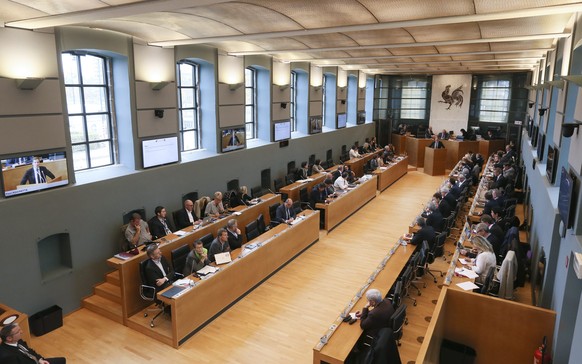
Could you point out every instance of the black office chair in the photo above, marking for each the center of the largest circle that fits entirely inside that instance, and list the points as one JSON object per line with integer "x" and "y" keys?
{"x": 382, "y": 349}
{"x": 273, "y": 213}
{"x": 178, "y": 256}
{"x": 344, "y": 149}
{"x": 420, "y": 265}
{"x": 406, "y": 279}
{"x": 278, "y": 182}
{"x": 328, "y": 155}
{"x": 291, "y": 167}
{"x": 311, "y": 160}
{"x": 397, "y": 321}
{"x": 485, "y": 286}
{"x": 127, "y": 215}
{"x": 415, "y": 262}
{"x": 257, "y": 191}
{"x": 304, "y": 198}
{"x": 207, "y": 240}
{"x": 396, "y": 296}
{"x": 148, "y": 293}
{"x": 438, "y": 246}
{"x": 192, "y": 196}
{"x": 261, "y": 224}
{"x": 232, "y": 185}
{"x": 290, "y": 178}
{"x": 251, "y": 230}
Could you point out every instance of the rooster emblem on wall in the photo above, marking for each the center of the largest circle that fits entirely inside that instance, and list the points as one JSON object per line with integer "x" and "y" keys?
{"x": 453, "y": 98}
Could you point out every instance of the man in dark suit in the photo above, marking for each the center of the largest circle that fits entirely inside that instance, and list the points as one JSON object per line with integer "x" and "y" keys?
{"x": 37, "y": 174}
{"x": 436, "y": 144}
{"x": 285, "y": 213}
{"x": 499, "y": 181}
{"x": 494, "y": 228}
{"x": 186, "y": 216}
{"x": 234, "y": 236}
{"x": 483, "y": 231}
{"x": 14, "y": 350}
{"x": 449, "y": 197}
{"x": 434, "y": 217}
{"x": 426, "y": 232}
{"x": 159, "y": 225}
{"x": 378, "y": 318}
{"x": 318, "y": 195}
{"x": 443, "y": 206}
{"x": 158, "y": 272}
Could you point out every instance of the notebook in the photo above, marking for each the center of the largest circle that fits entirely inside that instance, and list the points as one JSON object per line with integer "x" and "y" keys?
{"x": 222, "y": 258}
{"x": 173, "y": 291}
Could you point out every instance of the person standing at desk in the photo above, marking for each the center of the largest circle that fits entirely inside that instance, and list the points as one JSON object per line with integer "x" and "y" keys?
{"x": 137, "y": 231}
{"x": 36, "y": 174}
{"x": 186, "y": 216}
{"x": 436, "y": 144}
{"x": 196, "y": 259}
{"x": 14, "y": 350}
{"x": 158, "y": 272}
{"x": 234, "y": 235}
{"x": 219, "y": 245}
{"x": 159, "y": 225}
{"x": 285, "y": 213}
{"x": 215, "y": 207}
{"x": 376, "y": 313}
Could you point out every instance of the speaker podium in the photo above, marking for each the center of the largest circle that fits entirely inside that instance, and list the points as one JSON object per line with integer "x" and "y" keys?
{"x": 435, "y": 161}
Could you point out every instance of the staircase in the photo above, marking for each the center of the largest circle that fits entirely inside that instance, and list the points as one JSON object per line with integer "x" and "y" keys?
{"x": 106, "y": 298}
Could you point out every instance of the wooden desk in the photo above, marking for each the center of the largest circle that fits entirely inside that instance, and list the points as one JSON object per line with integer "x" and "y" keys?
{"x": 399, "y": 142}
{"x": 345, "y": 336}
{"x": 211, "y": 296}
{"x": 357, "y": 164}
{"x": 347, "y": 203}
{"x": 434, "y": 161}
{"x": 129, "y": 279}
{"x": 22, "y": 320}
{"x": 391, "y": 174}
{"x": 292, "y": 190}
{"x": 488, "y": 147}
{"x": 415, "y": 150}
{"x": 456, "y": 149}
{"x": 13, "y": 176}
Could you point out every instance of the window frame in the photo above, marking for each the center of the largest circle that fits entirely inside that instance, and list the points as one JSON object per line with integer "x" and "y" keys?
{"x": 253, "y": 80}
{"x": 196, "y": 129}
{"x": 489, "y": 97}
{"x": 293, "y": 100}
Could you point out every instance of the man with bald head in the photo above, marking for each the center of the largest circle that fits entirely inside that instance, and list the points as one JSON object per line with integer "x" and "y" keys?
{"x": 186, "y": 216}
{"x": 285, "y": 212}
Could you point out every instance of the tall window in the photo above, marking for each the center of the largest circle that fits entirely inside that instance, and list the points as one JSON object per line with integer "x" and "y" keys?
{"x": 88, "y": 88}
{"x": 323, "y": 99}
{"x": 189, "y": 105}
{"x": 413, "y": 104}
{"x": 251, "y": 103}
{"x": 494, "y": 102}
{"x": 293, "y": 101}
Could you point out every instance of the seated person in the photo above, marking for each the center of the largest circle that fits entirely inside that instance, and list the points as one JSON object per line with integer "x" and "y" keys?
{"x": 351, "y": 175}
{"x": 219, "y": 244}
{"x": 329, "y": 186}
{"x": 443, "y": 135}
{"x": 354, "y": 152}
{"x": 373, "y": 144}
{"x": 341, "y": 182}
{"x": 318, "y": 194}
{"x": 485, "y": 257}
{"x": 317, "y": 168}
{"x": 215, "y": 207}
{"x": 302, "y": 172}
{"x": 285, "y": 212}
{"x": 376, "y": 313}
{"x": 159, "y": 225}
{"x": 234, "y": 236}
{"x": 196, "y": 259}
{"x": 434, "y": 217}
{"x": 14, "y": 350}
{"x": 186, "y": 216}
{"x": 429, "y": 133}
{"x": 426, "y": 232}
{"x": 388, "y": 154}
{"x": 159, "y": 274}
{"x": 137, "y": 231}
{"x": 243, "y": 196}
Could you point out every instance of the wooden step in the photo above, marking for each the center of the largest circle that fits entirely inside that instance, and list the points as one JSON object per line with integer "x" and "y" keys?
{"x": 104, "y": 307}
{"x": 108, "y": 291}
{"x": 113, "y": 277}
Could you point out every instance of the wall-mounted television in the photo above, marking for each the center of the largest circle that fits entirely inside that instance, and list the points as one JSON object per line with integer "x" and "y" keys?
{"x": 157, "y": 152}
{"x": 540, "y": 146}
{"x": 361, "y": 117}
{"x": 281, "y": 130}
{"x": 552, "y": 164}
{"x": 565, "y": 197}
{"x": 315, "y": 124}
{"x": 534, "y": 137}
{"x": 341, "y": 120}
{"x": 25, "y": 173}
{"x": 233, "y": 139}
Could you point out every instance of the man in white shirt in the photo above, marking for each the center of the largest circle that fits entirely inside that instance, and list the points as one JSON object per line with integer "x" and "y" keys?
{"x": 186, "y": 216}
{"x": 354, "y": 152}
{"x": 341, "y": 182}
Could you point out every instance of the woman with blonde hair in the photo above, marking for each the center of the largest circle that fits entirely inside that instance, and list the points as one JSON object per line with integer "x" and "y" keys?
{"x": 485, "y": 257}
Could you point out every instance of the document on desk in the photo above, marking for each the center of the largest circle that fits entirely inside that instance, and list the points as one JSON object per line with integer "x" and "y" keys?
{"x": 207, "y": 269}
{"x": 181, "y": 233}
{"x": 468, "y": 286}
{"x": 466, "y": 273}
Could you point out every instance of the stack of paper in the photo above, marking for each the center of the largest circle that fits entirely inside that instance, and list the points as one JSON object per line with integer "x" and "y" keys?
{"x": 208, "y": 269}
{"x": 466, "y": 273}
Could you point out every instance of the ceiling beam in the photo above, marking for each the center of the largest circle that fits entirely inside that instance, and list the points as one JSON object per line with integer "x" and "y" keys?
{"x": 408, "y": 45}
{"x": 531, "y": 59}
{"x": 109, "y": 12}
{"x": 513, "y": 14}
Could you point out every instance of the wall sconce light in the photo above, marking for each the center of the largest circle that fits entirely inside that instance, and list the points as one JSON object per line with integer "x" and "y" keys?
{"x": 28, "y": 83}
{"x": 542, "y": 111}
{"x": 530, "y": 104}
{"x": 157, "y": 86}
{"x": 568, "y": 129}
{"x": 159, "y": 113}
{"x": 235, "y": 86}
{"x": 283, "y": 105}
{"x": 283, "y": 87}
{"x": 343, "y": 102}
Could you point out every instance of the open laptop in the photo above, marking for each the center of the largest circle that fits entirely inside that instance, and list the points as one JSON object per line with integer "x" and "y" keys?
{"x": 222, "y": 258}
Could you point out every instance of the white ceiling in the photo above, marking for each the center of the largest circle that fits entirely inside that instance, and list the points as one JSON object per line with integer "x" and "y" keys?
{"x": 390, "y": 36}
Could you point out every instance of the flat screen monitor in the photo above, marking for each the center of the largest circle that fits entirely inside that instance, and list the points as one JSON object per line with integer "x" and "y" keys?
{"x": 282, "y": 130}
{"x": 315, "y": 124}
{"x": 233, "y": 139}
{"x": 26, "y": 173}
{"x": 157, "y": 152}
{"x": 565, "y": 196}
{"x": 540, "y": 146}
{"x": 552, "y": 164}
{"x": 361, "y": 117}
{"x": 341, "y": 120}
